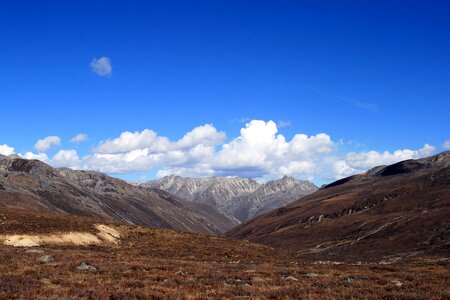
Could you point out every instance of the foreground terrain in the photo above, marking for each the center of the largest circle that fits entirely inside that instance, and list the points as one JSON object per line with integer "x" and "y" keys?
{"x": 129, "y": 262}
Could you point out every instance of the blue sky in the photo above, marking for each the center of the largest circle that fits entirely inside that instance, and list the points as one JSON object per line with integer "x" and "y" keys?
{"x": 371, "y": 76}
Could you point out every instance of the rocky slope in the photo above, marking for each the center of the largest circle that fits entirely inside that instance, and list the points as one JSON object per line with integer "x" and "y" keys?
{"x": 242, "y": 198}
{"x": 395, "y": 211}
{"x": 31, "y": 184}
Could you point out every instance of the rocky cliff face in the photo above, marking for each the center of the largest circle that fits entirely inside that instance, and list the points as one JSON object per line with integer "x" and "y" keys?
{"x": 242, "y": 198}
{"x": 31, "y": 184}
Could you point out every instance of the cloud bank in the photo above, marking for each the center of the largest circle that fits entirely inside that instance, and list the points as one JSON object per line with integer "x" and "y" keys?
{"x": 259, "y": 151}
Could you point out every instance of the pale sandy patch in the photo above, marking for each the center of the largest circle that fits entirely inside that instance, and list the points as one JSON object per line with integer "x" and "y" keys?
{"x": 27, "y": 240}
{"x": 105, "y": 233}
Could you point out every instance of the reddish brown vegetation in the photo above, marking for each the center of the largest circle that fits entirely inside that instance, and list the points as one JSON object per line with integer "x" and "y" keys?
{"x": 164, "y": 264}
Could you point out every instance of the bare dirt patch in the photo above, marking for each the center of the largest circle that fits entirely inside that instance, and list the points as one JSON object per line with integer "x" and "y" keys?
{"x": 108, "y": 233}
{"x": 74, "y": 238}
{"x": 105, "y": 233}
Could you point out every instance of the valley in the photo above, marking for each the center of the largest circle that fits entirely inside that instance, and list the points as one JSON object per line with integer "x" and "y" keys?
{"x": 82, "y": 234}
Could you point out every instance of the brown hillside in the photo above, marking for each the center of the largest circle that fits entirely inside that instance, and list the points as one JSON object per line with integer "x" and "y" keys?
{"x": 400, "y": 211}
{"x": 32, "y": 184}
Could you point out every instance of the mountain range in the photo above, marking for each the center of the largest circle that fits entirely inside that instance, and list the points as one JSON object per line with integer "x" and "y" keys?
{"x": 241, "y": 198}
{"x": 34, "y": 185}
{"x": 206, "y": 205}
{"x": 400, "y": 210}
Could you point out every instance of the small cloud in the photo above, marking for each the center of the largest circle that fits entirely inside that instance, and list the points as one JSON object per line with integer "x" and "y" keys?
{"x": 446, "y": 145}
{"x": 281, "y": 124}
{"x": 81, "y": 137}
{"x": 241, "y": 120}
{"x": 360, "y": 104}
{"x": 102, "y": 66}
{"x": 46, "y": 143}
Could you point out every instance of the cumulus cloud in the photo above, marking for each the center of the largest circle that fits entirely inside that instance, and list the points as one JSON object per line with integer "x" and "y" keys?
{"x": 206, "y": 135}
{"x": 66, "y": 158}
{"x": 47, "y": 143}
{"x": 365, "y": 160}
{"x": 101, "y": 66}
{"x": 446, "y": 145}
{"x": 39, "y": 156}
{"x": 129, "y": 141}
{"x": 259, "y": 151}
{"x": 357, "y": 162}
{"x": 133, "y": 161}
{"x": 6, "y": 150}
{"x": 81, "y": 137}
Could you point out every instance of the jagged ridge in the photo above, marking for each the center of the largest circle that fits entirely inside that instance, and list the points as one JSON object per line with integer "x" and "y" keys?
{"x": 242, "y": 198}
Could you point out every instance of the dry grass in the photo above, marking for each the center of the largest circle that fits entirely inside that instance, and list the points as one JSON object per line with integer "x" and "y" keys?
{"x": 164, "y": 264}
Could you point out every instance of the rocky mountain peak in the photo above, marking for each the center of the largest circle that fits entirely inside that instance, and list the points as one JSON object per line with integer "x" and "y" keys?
{"x": 237, "y": 197}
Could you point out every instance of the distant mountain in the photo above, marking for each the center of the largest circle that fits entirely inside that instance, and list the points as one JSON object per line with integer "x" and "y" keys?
{"x": 34, "y": 185}
{"x": 242, "y": 198}
{"x": 396, "y": 211}
{"x": 273, "y": 194}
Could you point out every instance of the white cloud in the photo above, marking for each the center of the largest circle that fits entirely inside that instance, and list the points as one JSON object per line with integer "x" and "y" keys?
{"x": 47, "y": 143}
{"x": 6, "y": 150}
{"x": 340, "y": 169}
{"x": 205, "y": 135}
{"x": 446, "y": 145}
{"x": 259, "y": 151}
{"x": 81, "y": 137}
{"x": 129, "y": 141}
{"x": 134, "y": 161}
{"x": 66, "y": 158}
{"x": 101, "y": 66}
{"x": 358, "y": 162}
{"x": 370, "y": 159}
{"x": 39, "y": 156}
